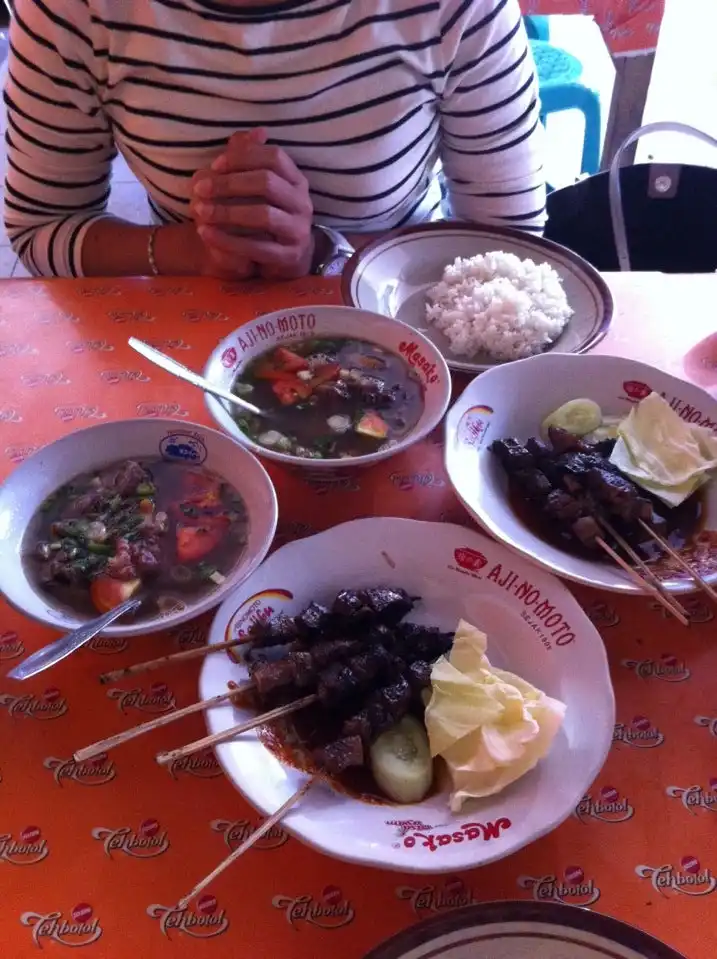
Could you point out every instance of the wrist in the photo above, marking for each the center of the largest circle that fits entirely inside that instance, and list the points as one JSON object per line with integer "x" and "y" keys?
{"x": 177, "y": 250}
{"x": 332, "y": 251}
{"x": 319, "y": 249}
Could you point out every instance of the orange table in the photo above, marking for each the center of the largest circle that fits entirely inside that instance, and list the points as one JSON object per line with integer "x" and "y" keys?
{"x": 96, "y": 855}
{"x": 629, "y": 26}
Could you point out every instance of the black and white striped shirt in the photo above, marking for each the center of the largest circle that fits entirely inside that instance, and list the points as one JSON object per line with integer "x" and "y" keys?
{"x": 368, "y": 97}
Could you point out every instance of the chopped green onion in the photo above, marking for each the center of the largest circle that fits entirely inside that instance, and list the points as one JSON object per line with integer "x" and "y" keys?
{"x": 145, "y": 489}
{"x": 208, "y": 572}
{"x": 100, "y": 549}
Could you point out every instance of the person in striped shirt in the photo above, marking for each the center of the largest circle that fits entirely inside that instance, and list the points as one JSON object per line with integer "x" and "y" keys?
{"x": 254, "y": 125}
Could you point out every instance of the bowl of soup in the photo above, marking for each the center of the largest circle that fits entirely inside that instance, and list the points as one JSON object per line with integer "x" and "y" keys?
{"x": 172, "y": 513}
{"x": 337, "y": 386}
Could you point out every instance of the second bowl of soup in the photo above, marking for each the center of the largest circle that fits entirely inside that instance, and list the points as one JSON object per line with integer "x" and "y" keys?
{"x": 338, "y": 386}
{"x": 172, "y": 513}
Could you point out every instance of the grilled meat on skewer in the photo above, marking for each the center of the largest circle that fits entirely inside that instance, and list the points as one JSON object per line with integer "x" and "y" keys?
{"x": 383, "y": 710}
{"x": 278, "y": 631}
{"x": 312, "y": 621}
{"x": 367, "y": 668}
{"x": 378, "y": 607}
{"x": 574, "y": 484}
{"x": 341, "y": 754}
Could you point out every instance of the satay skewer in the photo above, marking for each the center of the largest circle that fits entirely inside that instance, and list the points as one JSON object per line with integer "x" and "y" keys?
{"x": 638, "y": 561}
{"x": 89, "y": 752}
{"x": 169, "y": 660}
{"x": 247, "y": 844}
{"x": 644, "y": 584}
{"x": 165, "y": 759}
{"x": 680, "y": 560}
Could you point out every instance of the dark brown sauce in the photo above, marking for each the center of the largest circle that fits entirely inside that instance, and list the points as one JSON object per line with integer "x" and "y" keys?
{"x": 683, "y": 530}
{"x": 283, "y": 740}
{"x": 700, "y": 554}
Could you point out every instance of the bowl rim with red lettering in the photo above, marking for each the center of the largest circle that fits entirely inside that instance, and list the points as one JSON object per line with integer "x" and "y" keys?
{"x": 538, "y": 630}
{"x": 98, "y": 446}
{"x": 512, "y": 401}
{"x": 264, "y": 332}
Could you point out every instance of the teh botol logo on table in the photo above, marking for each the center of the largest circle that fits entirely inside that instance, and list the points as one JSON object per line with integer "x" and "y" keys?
{"x": 148, "y": 841}
{"x": 640, "y": 734}
{"x": 329, "y": 911}
{"x": 202, "y": 920}
{"x": 157, "y": 699}
{"x": 92, "y": 772}
{"x": 28, "y": 849}
{"x": 82, "y": 928}
{"x": 606, "y": 806}
{"x": 11, "y": 646}
{"x": 574, "y": 888}
{"x": 48, "y": 705}
{"x": 690, "y": 878}
{"x": 437, "y": 897}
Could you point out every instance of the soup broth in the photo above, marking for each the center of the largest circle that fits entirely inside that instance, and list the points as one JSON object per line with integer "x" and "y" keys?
{"x": 168, "y": 531}
{"x": 330, "y": 398}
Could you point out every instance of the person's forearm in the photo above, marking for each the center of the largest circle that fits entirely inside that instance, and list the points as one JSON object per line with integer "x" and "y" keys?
{"x": 114, "y": 247}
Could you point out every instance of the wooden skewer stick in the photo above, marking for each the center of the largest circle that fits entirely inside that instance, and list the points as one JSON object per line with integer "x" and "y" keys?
{"x": 680, "y": 560}
{"x": 638, "y": 561}
{"x": 642, "y": 583}
{"x": 165, "y": 758}
{"x": 89, "y": 752}
{"x": 182, "y": 657}
{"x": 247, "y": 844}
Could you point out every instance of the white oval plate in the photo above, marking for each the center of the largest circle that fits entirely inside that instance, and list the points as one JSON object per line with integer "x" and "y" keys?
{"x": 523, "y": 930}
{"x": 98, "y": 446}
{"x": 513, "y": 400}
{"x": 303, "y": 322}
{"x": 393, "y": 274}
{"x": 535, "y": 628}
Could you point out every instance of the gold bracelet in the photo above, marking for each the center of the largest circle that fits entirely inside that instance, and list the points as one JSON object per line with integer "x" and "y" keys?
{"x": 150, "y": 251}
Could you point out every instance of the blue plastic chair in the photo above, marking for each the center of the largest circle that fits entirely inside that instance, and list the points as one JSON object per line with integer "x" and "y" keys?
{"x": 538, "y": 27}
{"x": 559, "y": 74}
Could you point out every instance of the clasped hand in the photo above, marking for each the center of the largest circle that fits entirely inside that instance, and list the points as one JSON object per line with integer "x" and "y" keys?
{"x": 253, "y": 211}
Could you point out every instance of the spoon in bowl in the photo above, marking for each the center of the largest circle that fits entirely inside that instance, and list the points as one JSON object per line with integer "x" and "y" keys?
{"x": 183, "y": 372}
{"x": 53, "y": 653}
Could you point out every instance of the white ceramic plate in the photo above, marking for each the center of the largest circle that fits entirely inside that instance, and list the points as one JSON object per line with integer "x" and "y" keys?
{"x": 54, "y": 465}
{"x": 535, "y": 628}
{"x": 523, "y": 930}
{"x": 307, "y": 322}
{"x": 512, "y": 400}
{"x": 393, "y": 274}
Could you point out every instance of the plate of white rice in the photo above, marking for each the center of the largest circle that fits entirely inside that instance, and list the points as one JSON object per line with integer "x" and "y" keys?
{"x": 484, "y": 295}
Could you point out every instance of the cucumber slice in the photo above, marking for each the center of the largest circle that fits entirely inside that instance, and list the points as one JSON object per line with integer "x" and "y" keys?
{"x": 576, "y": 416}
{"x": 401, "y": 761}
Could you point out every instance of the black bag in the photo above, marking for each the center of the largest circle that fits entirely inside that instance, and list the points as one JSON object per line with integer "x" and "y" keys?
{"x": 674, "y": 231}
{"x": 669, "y": 212}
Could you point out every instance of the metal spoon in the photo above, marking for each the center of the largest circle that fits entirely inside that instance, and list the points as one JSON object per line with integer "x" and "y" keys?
{"x": 183, "y": 372}
{"x": 51, "y": 654}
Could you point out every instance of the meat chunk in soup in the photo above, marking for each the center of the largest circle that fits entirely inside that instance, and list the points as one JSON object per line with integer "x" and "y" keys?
{"x": 330, "y": 399}
{"x": 168, "y": 530}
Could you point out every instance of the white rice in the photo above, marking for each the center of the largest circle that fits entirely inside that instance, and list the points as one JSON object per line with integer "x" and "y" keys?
{"x": 499, "y": 305}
